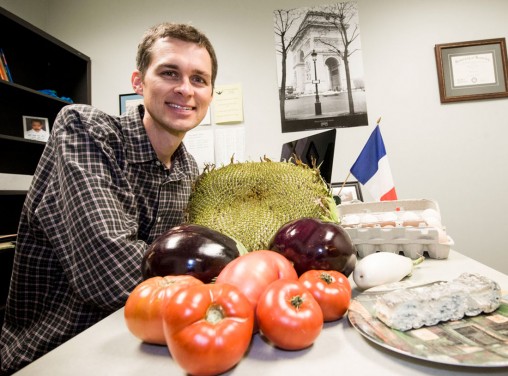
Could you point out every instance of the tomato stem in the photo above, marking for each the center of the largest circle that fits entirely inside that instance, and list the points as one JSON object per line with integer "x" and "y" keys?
{"x": 326, "y": 277}
{"x": 296, "y": 301}
{"x": 214, "y": 314}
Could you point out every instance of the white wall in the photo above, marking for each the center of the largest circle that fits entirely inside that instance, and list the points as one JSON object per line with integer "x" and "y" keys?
{"x": 453, "y": 153}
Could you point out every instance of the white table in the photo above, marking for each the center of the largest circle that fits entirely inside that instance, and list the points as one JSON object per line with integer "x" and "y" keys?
{"x": 108, "y": 348}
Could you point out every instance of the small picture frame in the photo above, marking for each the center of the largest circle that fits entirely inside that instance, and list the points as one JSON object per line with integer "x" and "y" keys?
{"x": 472, "y": 70}
{"x": 129, "y": 100}
{"x": 36, "y": 128}
{"x": 348, "y": 192}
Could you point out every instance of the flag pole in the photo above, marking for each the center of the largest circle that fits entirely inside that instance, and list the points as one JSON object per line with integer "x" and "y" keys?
{"x": 344, "y": 183}
{"x": 349, "y": 173}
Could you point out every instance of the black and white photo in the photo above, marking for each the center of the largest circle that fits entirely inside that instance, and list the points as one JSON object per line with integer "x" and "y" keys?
{"x": 347, "y": 192}
{"x": 319, "y": 67}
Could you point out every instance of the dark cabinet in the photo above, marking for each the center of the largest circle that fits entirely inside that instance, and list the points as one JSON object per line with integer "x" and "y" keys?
{"x": 47, "y": 74}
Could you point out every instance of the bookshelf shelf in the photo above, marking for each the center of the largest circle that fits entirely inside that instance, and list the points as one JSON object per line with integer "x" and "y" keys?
{"x": 37, "y": 61}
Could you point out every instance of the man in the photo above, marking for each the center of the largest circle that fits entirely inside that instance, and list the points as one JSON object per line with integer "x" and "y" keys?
{"x": 104, "y": 189}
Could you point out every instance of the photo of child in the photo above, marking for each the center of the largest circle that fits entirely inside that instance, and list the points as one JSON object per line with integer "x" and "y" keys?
{"x": 36, "y": 128}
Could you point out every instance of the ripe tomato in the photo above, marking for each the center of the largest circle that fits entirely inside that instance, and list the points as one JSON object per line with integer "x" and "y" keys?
{"x": 143, "y": 309}
{"x": 208, "y": 328}
{"x": 331, "y": 289}
{"x": 288, "y": 315}
{"x": 254, "y": 271}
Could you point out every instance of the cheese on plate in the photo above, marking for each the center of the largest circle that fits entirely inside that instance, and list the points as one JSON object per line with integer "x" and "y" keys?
{"x": 468, "y": 295}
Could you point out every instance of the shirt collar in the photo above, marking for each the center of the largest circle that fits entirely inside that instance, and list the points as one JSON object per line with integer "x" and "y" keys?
{"x": 138, "y": 147}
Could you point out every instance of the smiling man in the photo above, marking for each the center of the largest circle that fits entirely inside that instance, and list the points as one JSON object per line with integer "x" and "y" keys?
{"x": 105, "y": 188}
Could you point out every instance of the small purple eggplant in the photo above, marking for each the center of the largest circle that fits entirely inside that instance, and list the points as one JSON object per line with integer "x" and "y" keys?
{"x": 314, "y": 244}
{"x": 189, "y": 249}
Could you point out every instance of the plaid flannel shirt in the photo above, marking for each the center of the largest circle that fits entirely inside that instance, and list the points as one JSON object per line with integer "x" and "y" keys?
{"x": 99, "y": 196}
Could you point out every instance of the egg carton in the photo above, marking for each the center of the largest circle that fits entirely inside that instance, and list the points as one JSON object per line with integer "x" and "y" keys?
{"x": 412, "y": 242}
{"x": 410, "y": 227}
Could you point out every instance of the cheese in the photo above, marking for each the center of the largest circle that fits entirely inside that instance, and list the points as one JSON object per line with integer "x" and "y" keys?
{"x": 468, "y": 295}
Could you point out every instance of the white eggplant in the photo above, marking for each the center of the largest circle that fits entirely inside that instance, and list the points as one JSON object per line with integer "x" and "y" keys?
{"x": 382, "y": 267}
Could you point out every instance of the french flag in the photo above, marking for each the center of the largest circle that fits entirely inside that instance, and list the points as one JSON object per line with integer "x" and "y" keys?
{"x": 372, "y": 169}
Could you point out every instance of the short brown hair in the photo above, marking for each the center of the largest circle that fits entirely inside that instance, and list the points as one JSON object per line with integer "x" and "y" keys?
{"x": 183, "y": 32}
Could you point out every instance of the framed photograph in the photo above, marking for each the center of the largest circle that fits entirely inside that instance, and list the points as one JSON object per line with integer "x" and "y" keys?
{"x": 36, "y": 128}
{"x": 129, "y": 100}
{"x": 472, "y": 70}
{"x": 346, "y": 192}
{"x": 314, "y": 93}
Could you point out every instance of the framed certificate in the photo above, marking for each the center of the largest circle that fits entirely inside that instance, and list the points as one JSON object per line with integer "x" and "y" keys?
{"x": 472, "y": 70}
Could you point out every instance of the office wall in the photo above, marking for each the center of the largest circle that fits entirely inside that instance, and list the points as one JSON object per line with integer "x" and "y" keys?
{"x": 453, "y": 153}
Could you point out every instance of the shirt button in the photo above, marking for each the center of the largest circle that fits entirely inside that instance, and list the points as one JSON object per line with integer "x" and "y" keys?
{"x": 158, "y": 219}
{"x": 158, "y": 163}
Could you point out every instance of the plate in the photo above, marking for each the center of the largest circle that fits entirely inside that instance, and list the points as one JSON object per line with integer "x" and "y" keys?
{"x": 480, "y": 341}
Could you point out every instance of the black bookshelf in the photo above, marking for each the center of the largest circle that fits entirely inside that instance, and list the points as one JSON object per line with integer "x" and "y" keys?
{"x": 37, "y": 62}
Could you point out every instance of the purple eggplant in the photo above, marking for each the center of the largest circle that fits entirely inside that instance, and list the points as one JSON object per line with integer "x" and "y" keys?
{"x": 189, "y": 249}
{"x": 314, "y": 244}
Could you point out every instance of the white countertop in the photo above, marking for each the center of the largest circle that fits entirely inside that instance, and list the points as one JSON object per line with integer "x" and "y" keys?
{"x": 108, "y": 348}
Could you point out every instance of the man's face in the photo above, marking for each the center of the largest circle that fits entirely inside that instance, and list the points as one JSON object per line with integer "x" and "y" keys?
{"x": 177, "y": 86}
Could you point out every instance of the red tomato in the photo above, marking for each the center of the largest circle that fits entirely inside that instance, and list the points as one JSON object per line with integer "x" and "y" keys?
{"x": 331, "y": 289}
{"x": 208, "y": 328}
{"x": 254, "y": 271}
{"x": 143, "y": 309}
{"x": 288, "y": 315}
